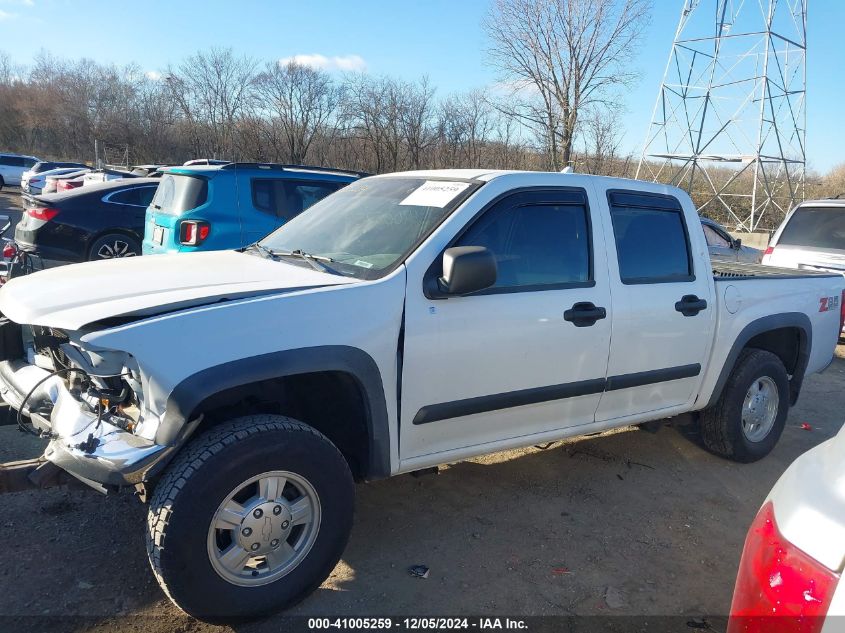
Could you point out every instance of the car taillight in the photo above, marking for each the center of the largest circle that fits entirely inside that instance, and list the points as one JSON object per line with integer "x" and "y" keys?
{"x": 193, "y": 232}
{"x": 10, "y": 250}
{"x": 769, "y": 251}
{"x": 779, "y": 588}
{"x": 43, "y": 213}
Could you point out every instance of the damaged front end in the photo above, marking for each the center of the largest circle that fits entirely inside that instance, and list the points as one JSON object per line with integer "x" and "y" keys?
{"x": 88, "y": 403}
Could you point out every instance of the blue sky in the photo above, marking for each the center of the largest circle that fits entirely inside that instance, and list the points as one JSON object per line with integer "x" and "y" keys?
{"x": 439, "y": 38}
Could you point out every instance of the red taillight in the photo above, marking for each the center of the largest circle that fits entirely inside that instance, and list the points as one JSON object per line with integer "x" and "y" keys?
{"x": 769, "y": 250}
{"x": 64, "y": 185}
{"x": 10, "y": 250}
{"x": 193, "y": 232}
{"x": 779, "y": 588}
{"x": 43, "y": 213}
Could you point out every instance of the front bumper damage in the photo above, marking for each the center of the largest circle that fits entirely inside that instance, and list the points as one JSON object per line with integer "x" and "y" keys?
{"x": 93, "y": 451}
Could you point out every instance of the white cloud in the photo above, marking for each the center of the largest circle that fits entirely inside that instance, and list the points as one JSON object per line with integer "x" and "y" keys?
{"x": 153, "y": 75}
{"x": 5, "y": 15}
{"x": 338, "y": 62}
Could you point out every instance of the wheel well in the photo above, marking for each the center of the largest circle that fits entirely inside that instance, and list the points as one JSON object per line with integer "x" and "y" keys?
{"x": 785, "y": 343}
{"x": 789, "y": 344}
{"x": 330, "y": 401}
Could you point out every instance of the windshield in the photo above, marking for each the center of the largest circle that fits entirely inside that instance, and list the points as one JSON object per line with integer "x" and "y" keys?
{"x": 177, "y": 194}
{"x": 815, "y": 227}
{"x": 371, "y": 225}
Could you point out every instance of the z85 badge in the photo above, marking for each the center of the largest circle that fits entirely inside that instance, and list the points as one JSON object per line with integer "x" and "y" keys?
{"x": 828, "y": 303}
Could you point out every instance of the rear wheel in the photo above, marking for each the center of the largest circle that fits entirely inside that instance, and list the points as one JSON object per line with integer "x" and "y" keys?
{"x": 250, "y": 518}
{"x": 2, "y": 183}
{"x": 112, "y": 246}
{"x": 746, "y": 422}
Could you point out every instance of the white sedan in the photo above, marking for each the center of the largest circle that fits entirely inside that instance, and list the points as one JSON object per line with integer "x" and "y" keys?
{"x": 33, "y": 183}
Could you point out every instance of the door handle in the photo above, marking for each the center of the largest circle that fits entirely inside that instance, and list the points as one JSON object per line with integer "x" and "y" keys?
{"x": 690, "y": 305}
{"x": 584, "y": 314}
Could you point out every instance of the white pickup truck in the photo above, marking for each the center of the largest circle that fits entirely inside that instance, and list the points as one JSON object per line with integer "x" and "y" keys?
{"x": 406, "y": 321}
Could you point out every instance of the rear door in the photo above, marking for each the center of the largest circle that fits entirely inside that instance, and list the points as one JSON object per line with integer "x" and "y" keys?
{"x": 277, "y": 200}
{"x": 662, "y": 319}
{"x": 129, "y": 207}
{"x": 522, "y": 358}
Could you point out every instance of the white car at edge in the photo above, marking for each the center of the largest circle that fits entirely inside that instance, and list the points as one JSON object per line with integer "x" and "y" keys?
{"x": 792, "y": 562}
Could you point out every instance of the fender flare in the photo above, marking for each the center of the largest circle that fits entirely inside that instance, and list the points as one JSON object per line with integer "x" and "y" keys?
{"x": 766, "y": 324}
{"x": 188, "y": 394}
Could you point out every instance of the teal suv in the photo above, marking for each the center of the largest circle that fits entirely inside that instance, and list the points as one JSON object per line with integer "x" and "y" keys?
{"x": 217, "y": 207}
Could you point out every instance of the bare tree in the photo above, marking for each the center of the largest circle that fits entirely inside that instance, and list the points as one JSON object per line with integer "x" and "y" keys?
{"x": 212, "y": 105}
{"x": 213, "y": 89}
{"x": 602, "y": 137}
{"x": 561, "y": 56}
{"x": 301, "y": 102}
{"x": 834, "y": 181}
{"x": 415, "y": 110}
{"x": 373, "y": 108}
{"x": 466, "y": 123}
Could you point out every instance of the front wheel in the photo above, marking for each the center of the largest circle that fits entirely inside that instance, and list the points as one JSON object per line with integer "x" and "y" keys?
{"x": 746, "y": 422}
{"x": 250, "y": 518}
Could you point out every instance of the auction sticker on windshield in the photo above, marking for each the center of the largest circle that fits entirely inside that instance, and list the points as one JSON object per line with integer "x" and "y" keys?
{"x": 435, "y": 193}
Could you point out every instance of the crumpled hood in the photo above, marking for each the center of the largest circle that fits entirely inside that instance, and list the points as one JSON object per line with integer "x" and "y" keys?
{"x": 70, "y": 297}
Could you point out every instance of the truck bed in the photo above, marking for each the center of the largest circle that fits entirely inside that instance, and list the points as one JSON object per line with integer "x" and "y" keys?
{"x": 742, "y": 270}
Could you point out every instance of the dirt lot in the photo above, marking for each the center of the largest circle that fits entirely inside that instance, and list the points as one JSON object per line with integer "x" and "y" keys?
{"x": 650, "y": 517}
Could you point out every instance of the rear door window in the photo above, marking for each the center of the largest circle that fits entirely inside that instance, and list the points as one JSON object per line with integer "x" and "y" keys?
{"x": 652, "y": 243}
{"x": 178, "y": 193}
{"x": 815, "y": 227}
{"x": 285, "y": 198}
{"x": 301, "y": 195}
{"x": 136, "y": 196}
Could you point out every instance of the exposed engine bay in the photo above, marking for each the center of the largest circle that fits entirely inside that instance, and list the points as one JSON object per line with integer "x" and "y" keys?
{"x": 88, "y": 403}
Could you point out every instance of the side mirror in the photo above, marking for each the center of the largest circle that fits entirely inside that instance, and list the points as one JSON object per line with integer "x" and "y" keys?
{"x": 737, "y": 244}
{"x": 467, "y": 269}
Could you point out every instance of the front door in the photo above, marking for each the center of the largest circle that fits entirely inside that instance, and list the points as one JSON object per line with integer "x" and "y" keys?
{"x": 524, "y": 357}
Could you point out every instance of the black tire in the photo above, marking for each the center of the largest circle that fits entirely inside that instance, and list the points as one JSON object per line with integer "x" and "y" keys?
{"x": 201, "y": 477}
{"x": 721, "y": 424}
{"x": 2, "y": 183}
{"x": 118, "y": 243}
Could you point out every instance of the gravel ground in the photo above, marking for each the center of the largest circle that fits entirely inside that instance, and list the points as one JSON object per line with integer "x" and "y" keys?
{"x": 627, "y": 523}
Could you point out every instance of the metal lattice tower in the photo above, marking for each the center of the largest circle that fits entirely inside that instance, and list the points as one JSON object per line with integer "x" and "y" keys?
{"x": 729, "y": 124}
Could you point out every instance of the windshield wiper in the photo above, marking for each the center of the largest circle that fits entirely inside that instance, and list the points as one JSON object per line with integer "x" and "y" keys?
{"x": 265, "y": 252}
{"x": 315, "y": 261}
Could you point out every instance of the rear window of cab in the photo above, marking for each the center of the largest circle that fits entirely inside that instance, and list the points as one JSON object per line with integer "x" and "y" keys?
{"x": 178, "y": 193}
